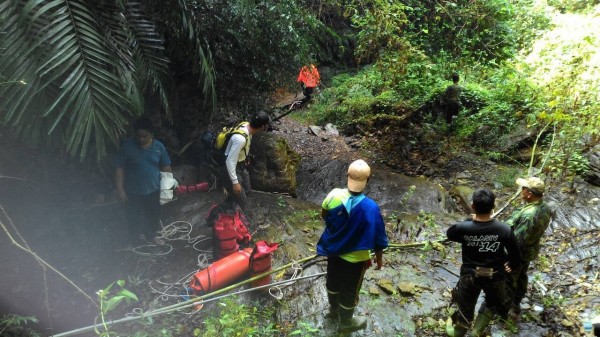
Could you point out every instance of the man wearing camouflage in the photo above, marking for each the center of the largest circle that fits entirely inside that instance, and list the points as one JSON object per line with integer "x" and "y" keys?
{"x": 529, "y": 224}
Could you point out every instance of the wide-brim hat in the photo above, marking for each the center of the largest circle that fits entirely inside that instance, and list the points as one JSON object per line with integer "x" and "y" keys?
{"x": 534, "y": 184}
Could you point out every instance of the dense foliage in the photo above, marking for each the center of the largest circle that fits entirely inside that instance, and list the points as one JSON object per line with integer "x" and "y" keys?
{"x": 75, "y": 72}
{"x": 79, "y": 83}
{"x": 523, "y": 65}
{"x": 253, "y": 45}
{"x": 479, "y": 30}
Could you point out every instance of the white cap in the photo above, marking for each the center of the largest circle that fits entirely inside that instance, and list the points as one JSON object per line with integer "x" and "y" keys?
{"x": 358, "y": 174}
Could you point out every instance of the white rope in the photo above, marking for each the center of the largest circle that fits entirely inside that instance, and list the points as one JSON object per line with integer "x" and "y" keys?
{"x": 175, "y": 231}
{"x": 213, "y": 186}
{"x": 139, "y": 250}
{"x": 205, "y": 258}
{"x": 164, "y": 294}
{"x": 276, "y": 291}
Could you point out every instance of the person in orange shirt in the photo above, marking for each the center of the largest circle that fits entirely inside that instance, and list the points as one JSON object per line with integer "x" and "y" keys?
{"x": 308, "y": 78}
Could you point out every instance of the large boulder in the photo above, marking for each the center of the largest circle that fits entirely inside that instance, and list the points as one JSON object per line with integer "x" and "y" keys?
{"x": 392, "y": 191}
{"x": 593, "y": 176}
{"x": 274, "y": 164}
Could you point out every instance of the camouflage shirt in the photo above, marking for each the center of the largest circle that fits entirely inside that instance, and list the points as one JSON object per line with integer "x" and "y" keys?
{"x": 529, "y": 224}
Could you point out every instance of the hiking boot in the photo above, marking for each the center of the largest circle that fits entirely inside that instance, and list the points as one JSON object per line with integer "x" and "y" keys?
{"x": 455, "y": 330}
{"x": 333, "y": 314}
{"x": 349, "y": 323}
{"x": 334, "y": 306}
{"x": 481, "y": 322}
{"x": 353, "y": 324}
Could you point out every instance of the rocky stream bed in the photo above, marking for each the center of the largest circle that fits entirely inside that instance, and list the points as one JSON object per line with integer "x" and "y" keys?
{"x": 70, "y": 219}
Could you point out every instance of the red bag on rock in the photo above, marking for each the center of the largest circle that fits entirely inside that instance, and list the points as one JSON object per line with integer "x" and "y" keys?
{"x": 243, "y": 237}
{"x": 260, "y": 261}
{"x": 225, "y": 236}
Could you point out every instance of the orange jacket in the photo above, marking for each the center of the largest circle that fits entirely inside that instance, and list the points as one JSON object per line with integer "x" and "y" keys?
{"x": 309, "y": 75}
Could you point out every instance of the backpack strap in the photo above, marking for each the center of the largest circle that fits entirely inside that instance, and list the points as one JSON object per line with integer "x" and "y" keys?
{"x": 238, "y": 131}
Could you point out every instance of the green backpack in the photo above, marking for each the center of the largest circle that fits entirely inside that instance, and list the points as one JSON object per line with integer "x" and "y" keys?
{"x": 221, "y": 140}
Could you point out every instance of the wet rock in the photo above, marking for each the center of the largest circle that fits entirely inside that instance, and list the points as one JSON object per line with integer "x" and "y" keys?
{"x": 274, "y": 166}
{"x": 519, "y": 136}
{"x": 575, "y": 207}
{"x": 386, "y": 286}
{"x": 408, "y": 288}
{"x": 462, "y": 195}
{"x": 374, "y": 291}
{"x": 319, "y": 132}
{"x": 392, "y": 191}
{"x": 331, "y": 130}
{"x": 593, "y": 176}
{"x": 185, "y": 174}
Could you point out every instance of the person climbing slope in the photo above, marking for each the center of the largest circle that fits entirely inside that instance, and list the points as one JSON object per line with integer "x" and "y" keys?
{"x": 309, "y": 78}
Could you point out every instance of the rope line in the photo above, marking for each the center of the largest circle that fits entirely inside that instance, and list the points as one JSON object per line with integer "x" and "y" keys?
{"x": 194, "y": 301}
{"x": 276, "y": 292}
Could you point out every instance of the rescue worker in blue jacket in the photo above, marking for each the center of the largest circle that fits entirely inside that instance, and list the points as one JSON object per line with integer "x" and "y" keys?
{"x": 354, "y": 228}
{"x": 485, "y": 244}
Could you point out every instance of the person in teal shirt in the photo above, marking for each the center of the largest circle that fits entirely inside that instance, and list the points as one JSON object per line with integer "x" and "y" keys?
{"x": 354, "y": 228}
{"x": 137, "y": 179}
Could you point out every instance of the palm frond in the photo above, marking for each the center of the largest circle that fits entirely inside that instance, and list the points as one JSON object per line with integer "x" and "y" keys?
{"x": 206, "y": 64}
{"x": 79, "y": 63}
{"x": 148, "y": 47}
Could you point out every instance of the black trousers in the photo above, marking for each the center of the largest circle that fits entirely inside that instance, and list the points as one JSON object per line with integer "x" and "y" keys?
{"x": 243, "y": 177}
{"x": 345, "y": 278}
{"x": 468, "y": 290}
{"x": 307, "y": 93}
{"x": 451, "y": 110}
{"x": 143, "y": 215}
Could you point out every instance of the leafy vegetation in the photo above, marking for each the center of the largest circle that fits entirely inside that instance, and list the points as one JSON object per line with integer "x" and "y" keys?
{"x": 76, "y": 73}
{"x": 466, "y": 30}
{"x": 77, "y": 85}
{"x": 85, "y": 67}
{"x": 548, "y": 82}
{"x": 237, "y": 319}
{"x": 15, "y": 325}
{"x": 109, "y": 301}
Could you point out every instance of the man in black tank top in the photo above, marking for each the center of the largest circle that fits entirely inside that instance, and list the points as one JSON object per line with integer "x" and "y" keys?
{"x": 485, "y": 244}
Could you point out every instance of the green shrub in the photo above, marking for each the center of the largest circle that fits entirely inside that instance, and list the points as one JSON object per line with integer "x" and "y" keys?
{"x": 15, "y": 325}
{"x": 236, "y": 319}
{"x": 573, "y": 5}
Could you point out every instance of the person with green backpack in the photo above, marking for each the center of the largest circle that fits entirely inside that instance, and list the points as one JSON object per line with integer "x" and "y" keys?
{"x": 230, "y": 156}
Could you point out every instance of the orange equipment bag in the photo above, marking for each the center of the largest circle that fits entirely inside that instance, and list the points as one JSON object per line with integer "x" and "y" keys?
{"x": 229, "y": 231}
{"x": 224, "y": 236}
{"x": 221, "y": 273}
{"x": 260, "y": 261}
